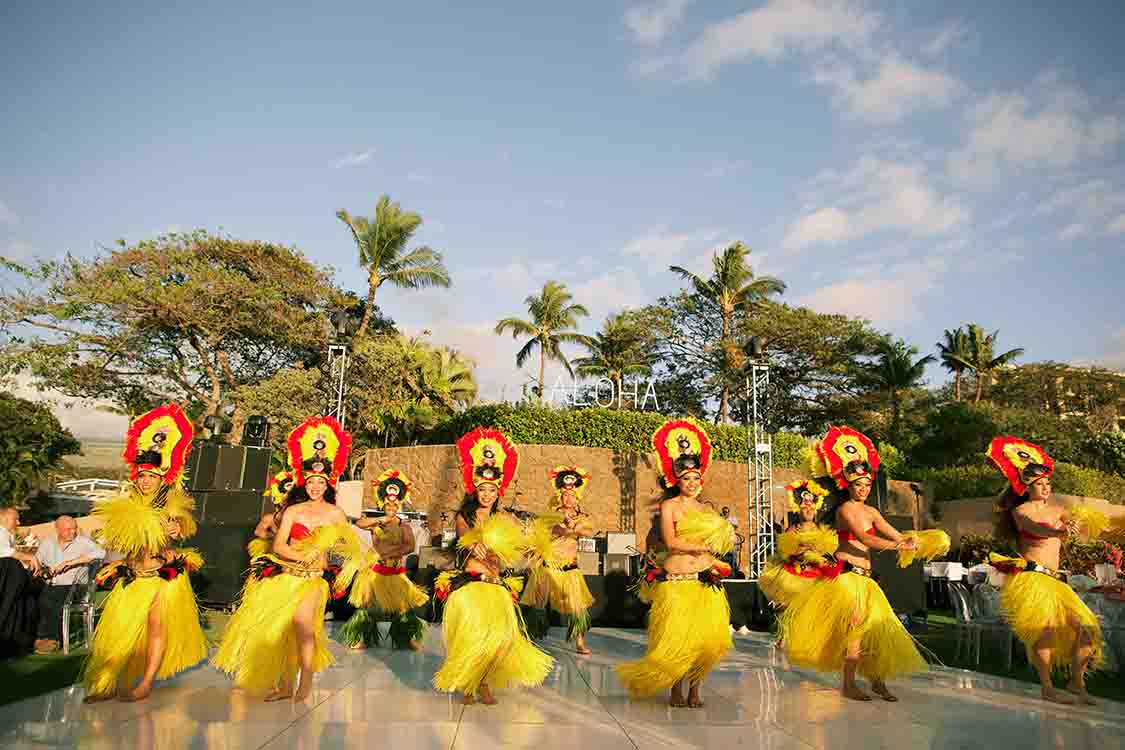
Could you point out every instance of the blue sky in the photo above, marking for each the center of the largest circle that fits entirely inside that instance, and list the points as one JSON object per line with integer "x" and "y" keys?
{"x": 918, "y": 164}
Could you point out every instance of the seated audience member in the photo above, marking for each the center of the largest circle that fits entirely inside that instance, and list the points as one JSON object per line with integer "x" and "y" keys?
{"x": 18, "y": 609}
{"x": 64, "y": 562}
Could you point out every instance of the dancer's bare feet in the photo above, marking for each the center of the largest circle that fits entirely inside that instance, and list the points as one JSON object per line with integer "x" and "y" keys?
{"x": 303, "y": 692}
{"x": 1081, "y": 696}
{"x": 880, "y": 689}
{"x": 1052, "y": 695}
{"x": 361, "y": 646}
{"x": 98, "y": 698}
{"x": 694, "y": 699}
{"x": 416, "y": 646}
{"x": 486, "y": 696}
{"x": 854, "y": 693}
{"x": 468, "y": 700}
{"x": 676, "y": 699}
{"x": 279, "y": 694}
{"x": 139, "y": 693}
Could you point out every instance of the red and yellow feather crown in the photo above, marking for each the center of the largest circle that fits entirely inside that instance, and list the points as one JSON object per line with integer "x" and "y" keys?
{"x": 568, "y": 478}
{"x": 682, "y": 446}
{"x": 279, "y": 487}
{"x": 318, "y": 447}
{"x": 805, "y": 490}
{"x": 846, "y": 455}
{"x": 392, "y": 483}
{"x": 159, "y": 441}
{"x": 487, "y": 457}
{"x": 1021, "y": 462}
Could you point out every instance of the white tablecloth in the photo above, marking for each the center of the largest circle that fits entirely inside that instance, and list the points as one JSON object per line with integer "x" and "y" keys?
{"x": 952, "y": 571}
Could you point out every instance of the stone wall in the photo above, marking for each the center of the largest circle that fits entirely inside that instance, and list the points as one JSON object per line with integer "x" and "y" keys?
{"x": 623, "y": 494}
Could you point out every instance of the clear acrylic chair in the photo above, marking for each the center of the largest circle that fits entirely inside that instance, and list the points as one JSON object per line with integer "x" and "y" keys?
{"x": 80, "y": 598}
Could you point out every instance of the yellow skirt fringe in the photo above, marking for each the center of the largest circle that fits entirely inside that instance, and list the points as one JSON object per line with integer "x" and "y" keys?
{"x": 118, "y": 653}
{"x": 569, "y": 593}
{"x": 1037, "y": 605}
{"x": 781, "y": 587}
{"x": 390, "y": 593}
{"x": 817, "y": 627}
{"x": 259, "y": 648}
{"x": 537, "y": 590}
{"x": 485, "y": 643}
{"x": 688, "y": 634}
{"x": 258, "y": 547}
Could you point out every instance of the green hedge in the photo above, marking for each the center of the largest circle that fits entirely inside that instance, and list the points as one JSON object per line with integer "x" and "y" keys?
{"x": 957, "y": 482}
{"x": 603, "y": 428}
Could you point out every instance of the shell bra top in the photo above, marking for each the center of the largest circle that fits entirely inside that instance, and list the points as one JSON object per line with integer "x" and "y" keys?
{"x": 847, "y": 536}
{"x": 299, "y": 531}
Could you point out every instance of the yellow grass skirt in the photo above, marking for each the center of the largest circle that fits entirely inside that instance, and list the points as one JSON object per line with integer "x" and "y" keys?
{"x": 1036, "y": 604}
{"x": 537, "y": 590}
{"x": 817, "y": 627}
{"x": 395, "y": 593}
{"x": 118, "y": 652}
{"x": 688, "y": 634}
{"x": 259, "y": 648}
{"x": 258, "y": 547}
{"x": 569, "y": 593}
{"x": 485, "y": 643}
{"x": 781, "y": 587}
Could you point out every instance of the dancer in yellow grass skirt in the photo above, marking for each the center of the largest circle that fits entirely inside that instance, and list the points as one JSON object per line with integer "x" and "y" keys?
{"x": 846, "y": 623}
{"x": 149, "y": 628}
{"x": 805, "y": 551}
{"x": 486, "y": 647}
{"x": 570, "y": 596}
{"x": 1056, "y": 627}
{"x": 275, "y": 641}
{"x": 689, "y": 623}
{"x": 542, "y": 558}
{"x": 380, "y": 588}
{"x": 266, "y": 530}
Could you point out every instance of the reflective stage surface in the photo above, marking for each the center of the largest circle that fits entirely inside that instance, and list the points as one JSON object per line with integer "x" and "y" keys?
{"x": 384, "y": 699}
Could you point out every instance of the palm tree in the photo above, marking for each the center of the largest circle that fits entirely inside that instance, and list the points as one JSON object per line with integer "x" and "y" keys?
{"x": 616, "y": 351}
{"x": 552, "y": 317}
{"x": 953, "y": 353}
{"x": 896, "y": 371}
{"x": 982, "y": 359}
{"x": 734, "y": 288}
{"x": 448, "y": 378}
{"x": 382, "y": 251}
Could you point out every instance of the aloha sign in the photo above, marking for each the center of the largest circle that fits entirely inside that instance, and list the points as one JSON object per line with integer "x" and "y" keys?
{"x": 603, "y": 392}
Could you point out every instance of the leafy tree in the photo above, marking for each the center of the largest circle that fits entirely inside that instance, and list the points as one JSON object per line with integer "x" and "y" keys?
{"x": 954, "y": 352}
{"x": 982, "y": 358}
{"x": 553, "y": 318}
{"x": 733, "y": 289}
{"x": 382, "y": 251}
{"x": 1061, "y": 389}
{"x": 183, "y": 317}
{"x": 618, "y": 350}
{"x": 31, "y": 442}
{"x": 897, "y": 371}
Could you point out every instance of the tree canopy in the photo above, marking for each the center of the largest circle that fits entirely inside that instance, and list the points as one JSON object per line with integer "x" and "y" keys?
{"x": 31, "y": 442}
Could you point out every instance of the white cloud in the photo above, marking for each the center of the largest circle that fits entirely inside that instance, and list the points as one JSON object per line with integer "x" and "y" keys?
{"x": 354, "y": 158}
{"x": 724, "y": 169}
{"x": 421, "y": 177}
{"x": 7, "y": 215}
{"x": 556, "y": 203}
{"x": 82, "y": 417}
{"x": 518, "y": 276}
{"x": 889, "y": 300}
{"x": 1055, "y": 125}
{"x": 893, "y": 90}
{"x": 20, "y": 251}
{"x": 609, "y": 292}
{"x": 1117, "y": 226}
{"x": 651, "y": 23}
{"x": 1073, "y": 232}
{"x": 874, "y": 196}
{"x": 951, "y": 33}
{"x": 661, "y": 245}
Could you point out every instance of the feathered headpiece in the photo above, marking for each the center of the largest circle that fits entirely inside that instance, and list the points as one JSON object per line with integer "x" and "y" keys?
{"x": 318, "y": 447}
{"x": 804, "y": 491}
{"x": 568, "y": 478}
{"x": 846, "y": 455}
{"x": 159, "y": 441}
{"x": 487, "y": 457}
{"x": 392, "y": 483}
{"x": 682, "y": 446}
{"x": 279, "y": 487}
{"x": 1021, "y": 462}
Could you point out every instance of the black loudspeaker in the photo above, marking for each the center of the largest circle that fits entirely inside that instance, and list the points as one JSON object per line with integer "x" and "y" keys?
{"x": 904, "y": 587}
{"x": 230, "y": 508}
{"x": 212, "y": 467}
{"x": 225, "y": 560}
{"x": 256, "y": 433}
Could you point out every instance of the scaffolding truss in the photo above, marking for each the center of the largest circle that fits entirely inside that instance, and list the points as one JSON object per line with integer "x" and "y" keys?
{"x": 759, "y": 459}
{"x": 337, "y": 374}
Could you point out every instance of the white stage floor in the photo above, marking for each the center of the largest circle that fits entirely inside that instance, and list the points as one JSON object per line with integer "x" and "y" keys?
{"x": 384, "y": 699}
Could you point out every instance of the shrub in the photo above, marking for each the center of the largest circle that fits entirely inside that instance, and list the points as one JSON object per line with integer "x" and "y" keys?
{"x": 602, "y": 428}
{"x": 1105, "y": 451}
{"x": 891, "y": 461}
{"x": 1079, "y": 480}
{"x": 1080, "y": 557}
{"x": 959, "y": 482}
{"x": 974, "y": 548}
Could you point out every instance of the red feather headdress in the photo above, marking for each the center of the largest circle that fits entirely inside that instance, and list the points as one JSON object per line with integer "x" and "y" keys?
{"x": 848, "y": 455}
{"x": 392, "y": 482}
{"x": 159, "y": 441}
{"x": 1021, "y": 462}
{"x": 318, "y": 447}
{"x": 683, "y": 446}
{"x": 487, "y": 456}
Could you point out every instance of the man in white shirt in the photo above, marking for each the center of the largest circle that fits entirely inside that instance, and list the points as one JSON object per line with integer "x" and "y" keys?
{"x": 18, "y": 608}
{"x": 65, "y": 560}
